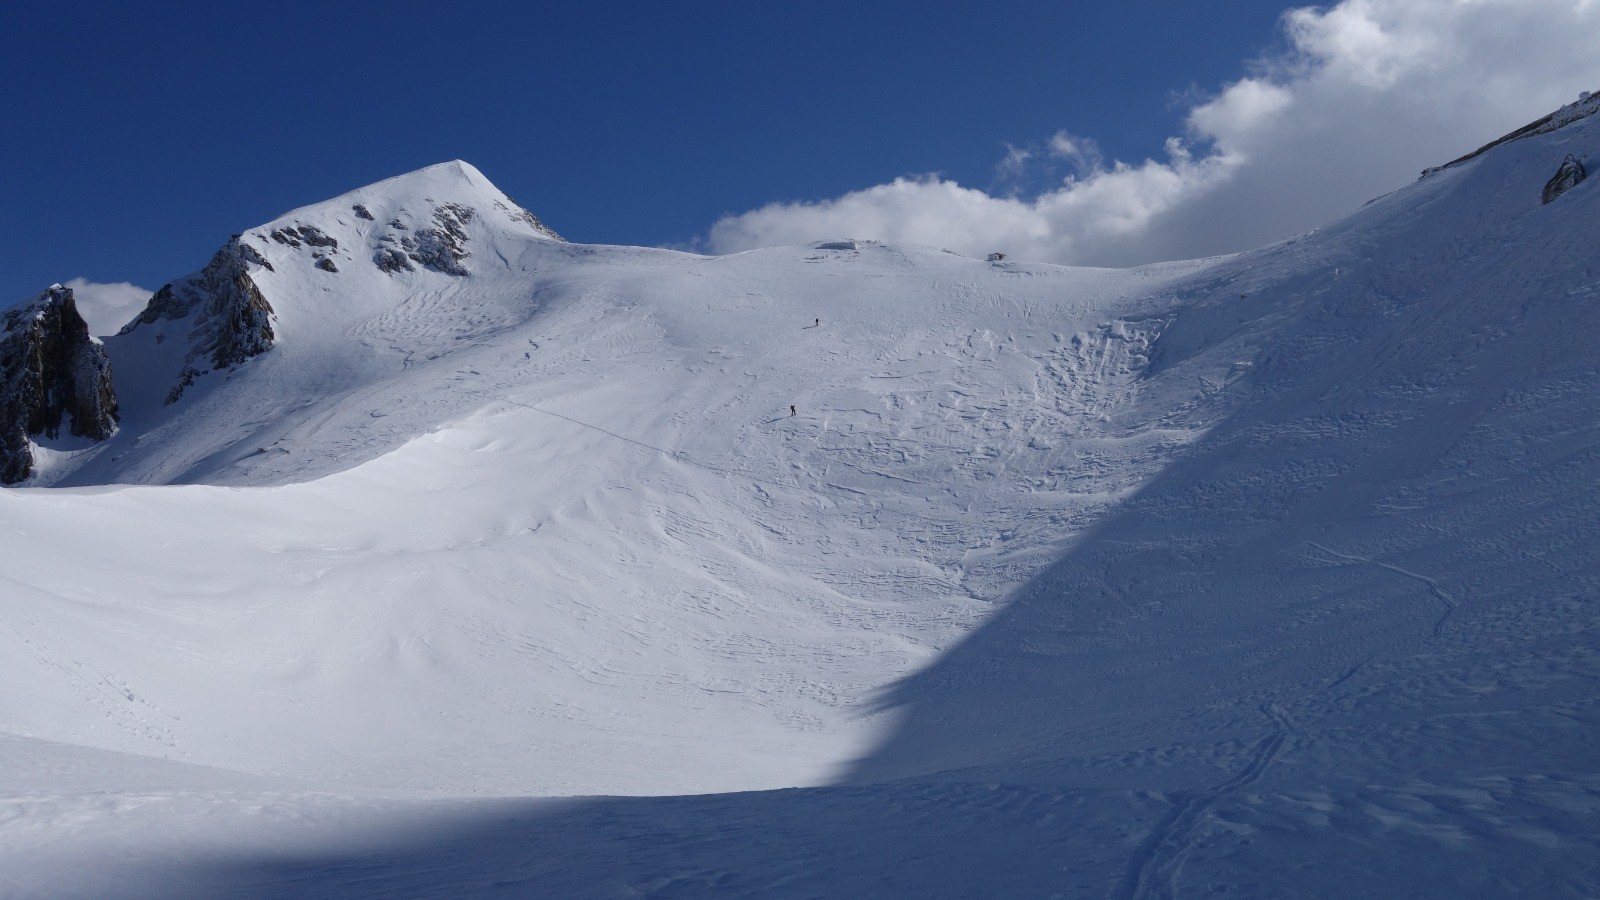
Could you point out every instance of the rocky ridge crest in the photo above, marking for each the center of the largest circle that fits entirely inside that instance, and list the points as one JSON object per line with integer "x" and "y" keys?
{"x": 232, "y": 320}
{"x": 1587, "y": 104}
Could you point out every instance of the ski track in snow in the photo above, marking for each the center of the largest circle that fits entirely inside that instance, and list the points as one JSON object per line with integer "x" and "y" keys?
{"x": 1154, "y": 869}
{"x": 1444, "y": 599}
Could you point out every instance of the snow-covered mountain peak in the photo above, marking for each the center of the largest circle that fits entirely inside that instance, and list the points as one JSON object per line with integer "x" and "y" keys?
{"x": 431, "y": 219}
{"x": 455, "y": 182}
{"x": 312, "y": 273}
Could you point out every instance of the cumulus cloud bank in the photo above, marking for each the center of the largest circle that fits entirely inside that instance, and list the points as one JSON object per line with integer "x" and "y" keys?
{"x": 1369, "y": 93}
{"x": 107, "y": 307}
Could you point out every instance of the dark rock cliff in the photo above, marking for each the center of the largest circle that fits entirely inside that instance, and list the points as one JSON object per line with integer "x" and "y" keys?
{"x": 51, "y": 373}
{"x": 231, "y": 319}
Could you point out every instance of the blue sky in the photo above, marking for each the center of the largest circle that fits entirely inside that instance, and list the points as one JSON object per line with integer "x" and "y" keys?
{"x": 140, "y": 136}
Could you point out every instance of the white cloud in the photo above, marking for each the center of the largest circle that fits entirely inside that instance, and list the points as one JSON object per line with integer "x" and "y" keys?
{"x": 1370, "y": 93}
{"x": 1081, "y": 152}
{"x": 108, "y": 307}
{"x": 1015, "y": 163}
{"x": 1244, "y": 110}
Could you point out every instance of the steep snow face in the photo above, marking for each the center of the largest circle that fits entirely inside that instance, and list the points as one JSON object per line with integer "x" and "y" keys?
{"x": 1376, "y": 552}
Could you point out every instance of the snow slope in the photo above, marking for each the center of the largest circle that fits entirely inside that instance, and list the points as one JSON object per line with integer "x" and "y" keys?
{"x": 1273, "y": 574}
{"x": 527, "y": 576}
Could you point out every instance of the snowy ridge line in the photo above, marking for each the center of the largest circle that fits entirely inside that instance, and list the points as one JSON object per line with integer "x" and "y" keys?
{"x": 1586, "y": 105}
{"x": 678, "y": 456}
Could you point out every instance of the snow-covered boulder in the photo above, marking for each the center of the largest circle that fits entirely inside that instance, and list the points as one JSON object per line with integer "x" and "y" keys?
{"x": 1569, "y": 174}
{"x": 52, "y": 372}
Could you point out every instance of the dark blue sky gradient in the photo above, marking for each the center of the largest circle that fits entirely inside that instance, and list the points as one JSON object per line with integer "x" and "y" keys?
{"x": 139, "y": 136}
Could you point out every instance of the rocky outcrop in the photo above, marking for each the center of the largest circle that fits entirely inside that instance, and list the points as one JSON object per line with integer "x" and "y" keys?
{"x": 229, "y": 319}
{"x": 52, "y": 374}
{"x": 389, "y": 259}
{"x": 294, "y": 235}
{"x": 442, "y": 246}
{"x": 1569, "y": 174}
{"x": 518, "y": 214}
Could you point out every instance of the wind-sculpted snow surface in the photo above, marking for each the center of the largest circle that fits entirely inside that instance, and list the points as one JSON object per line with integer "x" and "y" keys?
{"x": 1272, "y": 575}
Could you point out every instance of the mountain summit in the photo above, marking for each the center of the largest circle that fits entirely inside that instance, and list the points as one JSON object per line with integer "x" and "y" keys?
{"x": 307, "y": 275}
{"x": 390, "y": 238}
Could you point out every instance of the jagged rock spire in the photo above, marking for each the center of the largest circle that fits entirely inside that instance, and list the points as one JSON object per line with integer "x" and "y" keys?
{"x": 233, "y": 320}
{"x": 51, "y": 372}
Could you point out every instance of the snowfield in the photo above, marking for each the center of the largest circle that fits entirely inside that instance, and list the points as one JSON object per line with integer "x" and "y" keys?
{"x": 1271, "y": 575}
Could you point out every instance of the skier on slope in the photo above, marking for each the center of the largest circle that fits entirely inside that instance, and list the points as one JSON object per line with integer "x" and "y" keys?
{"x": 791, "y": 409}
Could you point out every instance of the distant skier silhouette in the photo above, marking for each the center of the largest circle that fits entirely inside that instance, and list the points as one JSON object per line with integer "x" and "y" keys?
{"x": 791, "y": 409}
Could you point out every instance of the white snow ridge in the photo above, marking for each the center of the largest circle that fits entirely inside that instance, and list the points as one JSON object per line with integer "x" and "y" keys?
{"x": 434, "y": 555}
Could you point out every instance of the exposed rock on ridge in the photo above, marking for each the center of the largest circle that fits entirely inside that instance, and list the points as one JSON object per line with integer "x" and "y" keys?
{"x": 50, "y": 370}
{"x": 1586, "y": 105}
{"x": 310, "y": 234}
{"x": 440, "y": 246}
{"x": 519, "y": 214}
{"x": 232, "y": 320}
